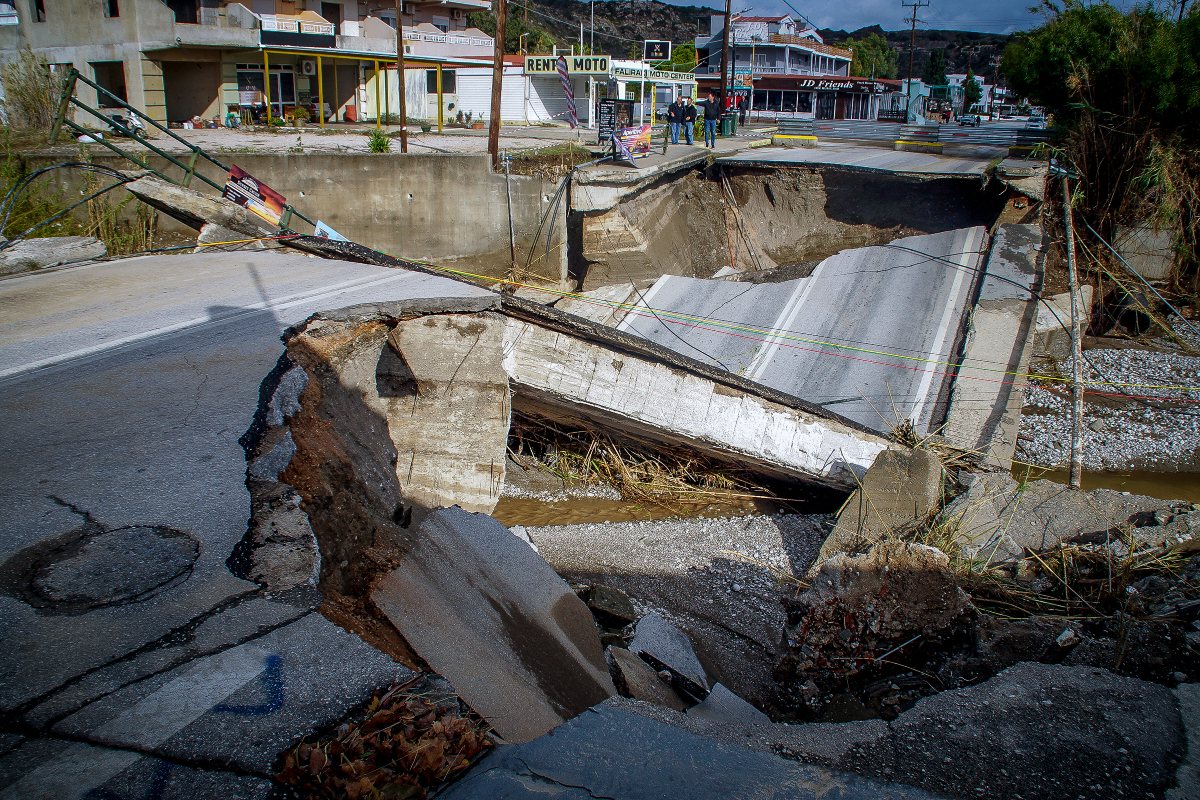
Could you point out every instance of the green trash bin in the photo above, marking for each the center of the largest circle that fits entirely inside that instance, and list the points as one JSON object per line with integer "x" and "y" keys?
{"x": 728, "y": 124}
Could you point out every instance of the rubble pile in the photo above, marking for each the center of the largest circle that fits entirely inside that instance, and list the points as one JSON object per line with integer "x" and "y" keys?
{"x": 897, "y": 601}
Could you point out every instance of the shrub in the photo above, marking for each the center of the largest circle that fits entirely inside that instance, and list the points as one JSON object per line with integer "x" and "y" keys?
{"x": 32, "y": 92}
{"x": 300, "y": 114}
{"x": 278, "y": 122}
{"x": 378, "y": 142}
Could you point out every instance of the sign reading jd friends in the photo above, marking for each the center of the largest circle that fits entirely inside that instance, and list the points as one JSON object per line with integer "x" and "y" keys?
{"x": 576, "y": 65}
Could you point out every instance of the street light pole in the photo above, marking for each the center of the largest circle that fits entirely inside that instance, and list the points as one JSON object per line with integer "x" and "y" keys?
{"x": 724, "y": 56}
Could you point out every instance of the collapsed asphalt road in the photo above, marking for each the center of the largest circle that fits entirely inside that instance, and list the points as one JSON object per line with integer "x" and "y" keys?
{"x": 133, "y": 658}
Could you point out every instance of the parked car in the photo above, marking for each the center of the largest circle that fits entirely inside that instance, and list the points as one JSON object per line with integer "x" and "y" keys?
{"x": 1037, "y": 123}
{"x": 969, "y": 119}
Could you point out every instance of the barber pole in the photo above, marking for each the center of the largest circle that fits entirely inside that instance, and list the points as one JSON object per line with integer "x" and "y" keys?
{"x": 566, "y": 82}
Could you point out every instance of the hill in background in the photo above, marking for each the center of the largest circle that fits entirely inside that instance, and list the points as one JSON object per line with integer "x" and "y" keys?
{"x": 636, "y": 20}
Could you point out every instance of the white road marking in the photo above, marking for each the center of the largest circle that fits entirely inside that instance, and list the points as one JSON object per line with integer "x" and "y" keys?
{"x": 785, "y": 321}
{"x": 643, "y": 302}
{"x": 269, "y": 305}
{"x": 82, "y": 767}
{"x": 944, "y": 327}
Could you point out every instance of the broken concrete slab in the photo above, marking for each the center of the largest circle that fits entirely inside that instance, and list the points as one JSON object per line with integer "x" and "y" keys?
{"x": 609, "y": 752}
{"x": 51, "y": 251}
{"x": 1065, "y": 731}
{"x": 1187, "y": 776}
{"x": 997, "y": 519}
{"x": 666, "y": 647}
{"x": 610, "y": 606}
{"x": 903, "y": 299}
{"x": 862, "y": 608}
{"x": 240, "y": 707}
{"x": 601, "y": 379}
{"x": 635, "y": 679}
{"x": 490, "y": 615}
{"x": 1035, "y": 731}
{"x": 606, "y": 305}
{"x": 726, "y": 708}
{"x": 197, "y": 210}
{"x": 985, "y": 406}
{"x": 1052, "y": 329}
{"x": 901, "y": 488}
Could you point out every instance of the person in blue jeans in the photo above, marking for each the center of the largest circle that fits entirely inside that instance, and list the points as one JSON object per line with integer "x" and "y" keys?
{"x": 712, "y": 115}
{"x": 689, "y": 120}
{"x": 675, "y": 119}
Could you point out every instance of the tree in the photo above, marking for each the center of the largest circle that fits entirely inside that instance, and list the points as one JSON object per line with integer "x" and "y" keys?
{"x": 538, "y": 41}
{"x": 935, "y": 69}
{"x": 873, "y": 55}
{"x": 972, "y": 91}
{"x": 1124, "y": 90}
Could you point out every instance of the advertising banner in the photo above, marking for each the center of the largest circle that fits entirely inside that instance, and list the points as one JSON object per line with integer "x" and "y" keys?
{"x": 630, "y": 143}
{"x": 242, "y": 188}
{"x": 576, "y": 65}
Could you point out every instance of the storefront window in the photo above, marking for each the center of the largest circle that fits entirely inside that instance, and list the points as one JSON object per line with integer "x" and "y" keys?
{"x": 760, "y": 100}
{"x": 804, "y": 102}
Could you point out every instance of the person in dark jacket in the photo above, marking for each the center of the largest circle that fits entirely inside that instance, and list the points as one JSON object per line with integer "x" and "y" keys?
{"x": 689, "y": 120}
{"x": 675, "y": 119}
{"x": 712, "y": 114}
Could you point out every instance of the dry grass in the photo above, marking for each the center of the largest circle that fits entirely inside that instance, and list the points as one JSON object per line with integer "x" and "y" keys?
{"x": 675, "y": 480}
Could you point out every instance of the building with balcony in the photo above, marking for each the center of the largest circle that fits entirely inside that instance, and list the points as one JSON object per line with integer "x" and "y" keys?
{"x": 780, "y": 68}
{"x": 176, "y": 60}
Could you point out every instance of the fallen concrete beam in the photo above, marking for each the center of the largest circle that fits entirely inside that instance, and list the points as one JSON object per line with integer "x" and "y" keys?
{"x": 578, "y": 379}
{"x": 49, "y": 252}
{"x": 985, "y": 405}
{"x": 490, "y": 615}
{"x": 196, "y": 210}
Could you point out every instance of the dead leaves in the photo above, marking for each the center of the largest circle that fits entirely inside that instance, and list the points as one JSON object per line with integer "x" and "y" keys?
{"x": 408, "y": 742}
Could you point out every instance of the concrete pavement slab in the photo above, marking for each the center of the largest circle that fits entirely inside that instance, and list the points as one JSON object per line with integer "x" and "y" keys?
{"x": 868, "y": 333}
{"x": 867, "y": 158}
{"x": 614, "y": 754}
{"x": 242, "y": 706}
{"x": 125, "y": 387}
{"x": 55, "y": 769}
{"x": 224, "y": 629}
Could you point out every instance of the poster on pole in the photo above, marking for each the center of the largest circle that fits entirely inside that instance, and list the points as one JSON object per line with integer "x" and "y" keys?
{"x": 245, "y": 190}
{"x": 631, "y": 143}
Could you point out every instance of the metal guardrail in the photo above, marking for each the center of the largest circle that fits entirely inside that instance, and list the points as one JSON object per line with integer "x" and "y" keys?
{"x": 932, "y": 134}
{"x": 189, "y": 169}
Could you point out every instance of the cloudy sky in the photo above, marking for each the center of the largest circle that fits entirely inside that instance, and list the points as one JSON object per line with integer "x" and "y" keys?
{"x": 1000, "y": 16}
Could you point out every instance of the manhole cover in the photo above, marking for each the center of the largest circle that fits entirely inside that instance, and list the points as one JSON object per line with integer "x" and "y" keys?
{"x": 115, "y": 566}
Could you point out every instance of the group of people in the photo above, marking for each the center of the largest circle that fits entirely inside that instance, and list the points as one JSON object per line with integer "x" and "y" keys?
{"x": 682, "y": 115}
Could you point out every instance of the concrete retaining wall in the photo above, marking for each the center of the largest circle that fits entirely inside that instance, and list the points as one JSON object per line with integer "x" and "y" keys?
{"x": 445, "y": 209}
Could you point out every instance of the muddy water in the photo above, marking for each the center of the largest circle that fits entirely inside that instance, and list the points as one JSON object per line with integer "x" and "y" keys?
{"x": 579, "y": 510}
{"x": 1161, "y": 485}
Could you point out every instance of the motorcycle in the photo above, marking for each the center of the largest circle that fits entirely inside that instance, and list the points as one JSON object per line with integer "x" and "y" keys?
{"x": 132, "y": 123}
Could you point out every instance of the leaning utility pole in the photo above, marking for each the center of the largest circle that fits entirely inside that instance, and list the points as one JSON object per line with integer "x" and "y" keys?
{"x": 912, "y": 41}
{"x": 724, "y": 57}
{"x": 1076, "y": 344}
{"x": 497, "y": 83}
{"x": 400, "y": 78}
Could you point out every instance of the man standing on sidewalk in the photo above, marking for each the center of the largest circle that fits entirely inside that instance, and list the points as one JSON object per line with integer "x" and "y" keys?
{"x": 675, "y": 119}
{"x": 712, "y": 115}
{"x": 689, "y": 120}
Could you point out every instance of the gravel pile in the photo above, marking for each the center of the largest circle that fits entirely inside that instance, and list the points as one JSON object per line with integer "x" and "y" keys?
{"x": 1133, "y": 427}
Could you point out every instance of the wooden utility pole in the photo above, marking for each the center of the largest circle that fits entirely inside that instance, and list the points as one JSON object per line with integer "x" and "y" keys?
{"x": 402, "y": 110}
{"x": 724, "y": 57}
{"x": 1076, "y": 344}
{"x": 912, "y": 40}
{"x": 497, "y": 83}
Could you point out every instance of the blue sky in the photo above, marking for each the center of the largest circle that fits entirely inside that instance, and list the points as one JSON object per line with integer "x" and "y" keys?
{"x": 997, "y": 16}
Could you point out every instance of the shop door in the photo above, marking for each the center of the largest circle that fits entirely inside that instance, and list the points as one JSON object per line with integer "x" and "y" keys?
{"x": 826, "y": 101}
